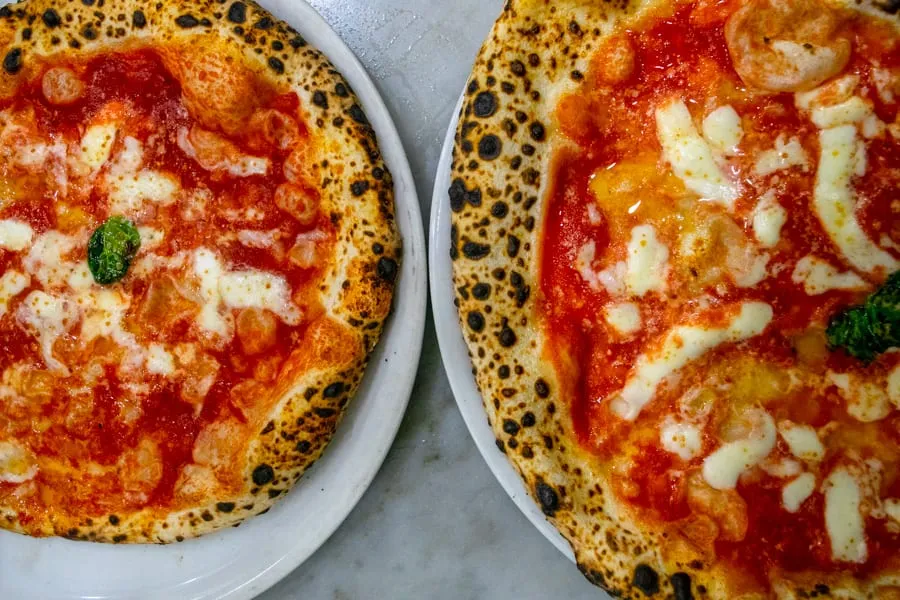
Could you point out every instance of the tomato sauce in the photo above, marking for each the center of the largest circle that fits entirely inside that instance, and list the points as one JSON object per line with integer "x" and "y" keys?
{"x": 612, "y": 126}
{"x": 148, "y": 105}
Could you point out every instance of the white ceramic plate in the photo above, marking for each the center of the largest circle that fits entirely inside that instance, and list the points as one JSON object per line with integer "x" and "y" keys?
{"x": 241, "y": 563}
{"x": 455, "y": 355}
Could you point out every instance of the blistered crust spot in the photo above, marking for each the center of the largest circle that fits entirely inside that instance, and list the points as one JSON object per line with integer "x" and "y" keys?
{"x": 217, "y": 49}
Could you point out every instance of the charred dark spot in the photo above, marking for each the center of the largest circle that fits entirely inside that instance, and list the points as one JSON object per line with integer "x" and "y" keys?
{"x": 309, "y": 393}
{"x": 503, "y": 372}
{"x": 264, "y": 24}
{"x": 237, "y": 12}
{"x": 139, "y": 19}
{"x": 274, "y": 494}
{"x": 113, "y": 520}
{"x": 387, "y": 269}
{"x": 225, "y": 507}
{"x": 681, "y": 586}
{"x": 892, "y": 7}
{"x": 187, "y": 21}
{"x": 485, "y": 105}
{"x": 320, "y": 99}
{"x": 574, "y": 28}
{"x": 179, "y": 538}
{"x": 517, "y": 67}
{"x": 541, "y": 388}
{"x": 507, "y": 337}
{"x": 276, "y": 64}
{"x": 499, "y": 209}
{"x": 26, "y": 33}
{"x": 5, "y": 11}
{"x": 538, "y": 133}
{"x": 304, "y": 446}
{"x": 324, "y": 413}
{"x": 646, "y": 580}
{"x": 263, "y": 474}
{"x": 297, "y": 42}
{"x": 489, "y": 147}
{"x": 12, "y": 62}
{"x": 512, "y": 246}
{"x": 270, "y": 426}
{"x": 510, "y": 427}
{"x": 528, "y": 149}
{"x": 118, "y": 539}
{"x": 358, "y": 188}
{"x": 476, "y": 251}
{"x": 340, "y": 90}
{"x": 378, "y": 249}
{"x": 500, "y": 446}
{"x": 528, "y": 419}
{"x": 548, "y": 498}
{"x": 207, "y": 516}
{"x": 51, "y": 18}
{"x": 476, "y": 321}
{"x": 459, "y": 195}
{"x": 87, "y": 2}
{"x": 481, "y": 291}
{"x": 357, "y": 114}
{"x": 89, "y": 33}
{"x": 334, "y": 390}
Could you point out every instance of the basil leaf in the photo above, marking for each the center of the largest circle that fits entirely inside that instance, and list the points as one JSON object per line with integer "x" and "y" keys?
{"x": 111, "y": 249}
{"x": 870, "y": 329}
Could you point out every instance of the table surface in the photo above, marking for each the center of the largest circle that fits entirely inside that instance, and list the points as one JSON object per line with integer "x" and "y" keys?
{"x": 435, "y": 523}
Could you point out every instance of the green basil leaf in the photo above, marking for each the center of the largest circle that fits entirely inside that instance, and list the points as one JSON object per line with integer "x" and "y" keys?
{"x": 111, "y": 249}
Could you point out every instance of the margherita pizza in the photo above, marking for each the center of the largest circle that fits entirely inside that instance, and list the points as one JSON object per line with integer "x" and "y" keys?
{"x": 676, "y": 245}
{"x": 197, "y": 255}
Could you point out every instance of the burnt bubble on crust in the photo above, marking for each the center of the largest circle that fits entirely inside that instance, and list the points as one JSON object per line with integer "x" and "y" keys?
{"x": 646, "y": 579}
{"x": 548, "y": 498}
{"x": 681, "y": 586}
{"x": 303, "y": 423}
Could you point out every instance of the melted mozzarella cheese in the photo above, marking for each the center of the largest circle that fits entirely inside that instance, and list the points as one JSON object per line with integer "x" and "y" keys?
{"x": 769, "y": 218}
{"x": 817, "y": 277}
{"x": 893, "y": 384}
{"x": 802, "y": 441}
{"x": 647, "y": 264}
{"x": 680, "y": 346}
{"x": 239, "y": 289}
{"x": 129, "y": 186}
{"x": 16, "y": 463}
{"x": 12, "y": 283}
{"x": 15, "y": 235}
{"x": 159, "y": 361}
{"x": 45, "y": 259}
{"x": 833, "y": 92}
{"x": 722, "y": 468}
{"x": 48, "y": 317}
{"x": 624, "y": 317}
{"x": 209, "y": 270}
{"x": 691, "y": 156}
{"x": 105, "y": 311}
{"x": 680, "y": 438}
{"x": 854, "y": 110}
{"x": 255, "y": 289}
{"x": 835, "y": 202}
{"x": 843, "y": 517}
{"x": 96, "y": 145}
{"x": 867, "y": 401}
{"x": 781, "y": 468}
{"x": 722, "y": 128}
{"x": 150, "y": 238}
{"x": 794, "y": 494}
{"x": 785, "y": 155}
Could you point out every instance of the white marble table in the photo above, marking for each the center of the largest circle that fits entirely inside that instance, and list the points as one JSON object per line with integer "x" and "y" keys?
{"x": 435, "y": 524}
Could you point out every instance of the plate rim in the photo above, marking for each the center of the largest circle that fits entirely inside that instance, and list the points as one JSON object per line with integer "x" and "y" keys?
{"x": 454, "y": 352}
{"x": 408, "y": 216}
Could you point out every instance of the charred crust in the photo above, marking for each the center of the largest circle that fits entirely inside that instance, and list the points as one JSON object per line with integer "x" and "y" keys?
{"x": 510, "y": 427}
{"x": 646, "y": 579}
{"x": 528, "y": 419}
{"x": 542, "y": 388}
{"x": 51, "y": 18}
{"x": 303, "y": 446}
{"x": 113, "y": 520}
{"x": 263, "y": 474}
{"x": 507, "y": 337}
{"x": 276, "y": 64}
{"x": 237, "y": 12}
{"x": 485, "y": 105}
{"x": 334, "y": 390}
{"x": 187, "y": 21}
{"x": 548, "y": 498}
{"x": 475, "y": 321}
{"x": 475, "y": 251}
{"x": 489, "y": 147}
{"x": 681, "y": 586}
{"x": 358, "y": 188}
{"x": 387, "y": 269}
{"x": 264, "y": 24}
{"x": 225, "y": 507}
{"x": 118, "y": 539}
{"x": 12, "y": 62}
{"x": 139, "y": 19}
{"x": 481, "y": 291}
{"x": 357, "y": 114}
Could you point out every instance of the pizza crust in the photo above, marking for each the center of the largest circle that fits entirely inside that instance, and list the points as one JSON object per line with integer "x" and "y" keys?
{"x": 537, "y": 52}
{"x": 356, "y": 190}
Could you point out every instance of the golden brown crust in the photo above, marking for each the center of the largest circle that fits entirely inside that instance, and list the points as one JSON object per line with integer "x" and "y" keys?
{"x": 203, "y": 40}
{"x": 538, "y": 51}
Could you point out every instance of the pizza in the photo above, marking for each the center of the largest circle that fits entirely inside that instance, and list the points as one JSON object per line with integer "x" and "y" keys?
{"x": 197, "y": 256}
{"x": 676, "y": 256}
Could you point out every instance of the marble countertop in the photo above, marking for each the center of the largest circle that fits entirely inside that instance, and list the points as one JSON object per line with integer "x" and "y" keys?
{"x": 435, "y": 523}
